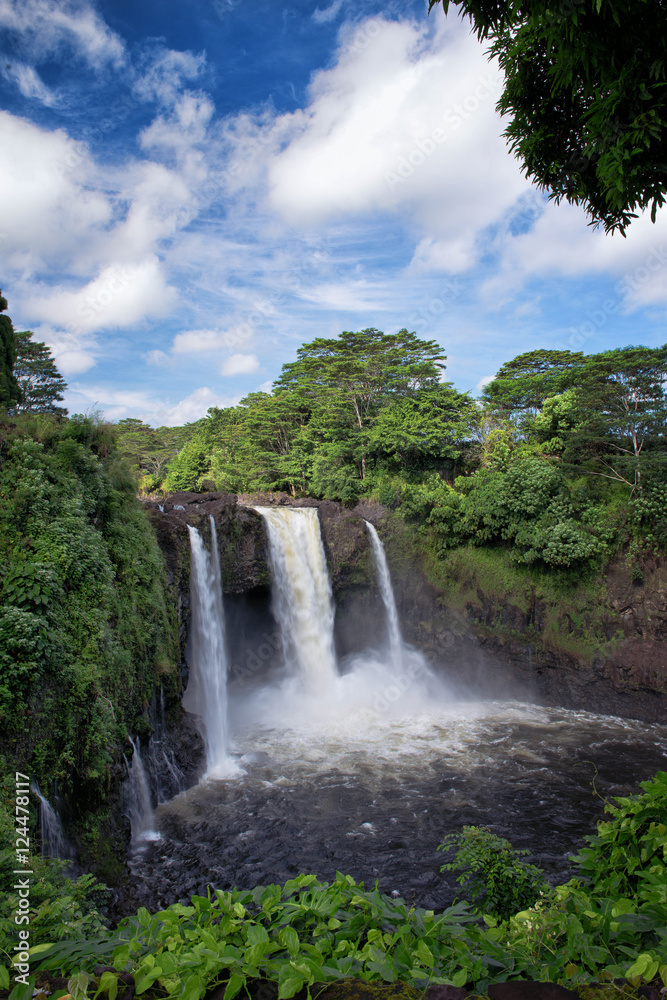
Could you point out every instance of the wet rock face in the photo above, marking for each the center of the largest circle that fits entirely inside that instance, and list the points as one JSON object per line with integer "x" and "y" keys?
{"x": 480, "y": 647}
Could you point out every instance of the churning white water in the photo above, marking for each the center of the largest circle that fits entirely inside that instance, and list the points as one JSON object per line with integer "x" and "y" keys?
{"x": 386, "y": 590}
{"x": 206, "y": 694}
{"x": 301, "y": 594}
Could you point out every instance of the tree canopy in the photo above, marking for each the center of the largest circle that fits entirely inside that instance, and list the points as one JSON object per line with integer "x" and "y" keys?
{"x": 586, "y": 97}
{"x": 40, "y": 382}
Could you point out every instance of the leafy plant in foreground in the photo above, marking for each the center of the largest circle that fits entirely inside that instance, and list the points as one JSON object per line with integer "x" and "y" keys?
{"x": 494, "y": 877}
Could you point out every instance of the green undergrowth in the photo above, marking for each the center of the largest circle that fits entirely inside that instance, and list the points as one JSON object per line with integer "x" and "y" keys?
{"x": 608, "y": 923}
{"x": 555, "y": 610}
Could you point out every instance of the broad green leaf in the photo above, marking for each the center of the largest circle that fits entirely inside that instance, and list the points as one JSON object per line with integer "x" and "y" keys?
{"x": 235, "y": 984}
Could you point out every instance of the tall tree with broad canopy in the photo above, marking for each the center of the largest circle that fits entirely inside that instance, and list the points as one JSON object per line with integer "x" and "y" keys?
{"x": 585, "y": 96}
{"x": 40, "y": 382}
{"x": 525, "y": 382}
{"x": 621, "y": 430}
{"x": 10, "y": 393}
{"x": 364, "y": 368}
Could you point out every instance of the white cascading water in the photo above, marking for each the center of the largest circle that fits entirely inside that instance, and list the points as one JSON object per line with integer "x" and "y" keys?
{"x": 206, "y": 694}
{"x": 386, "y": 590}
{"x": 53, "y": 842}
{"x": 138, "y": 800}
{"x": 302, "y": 600}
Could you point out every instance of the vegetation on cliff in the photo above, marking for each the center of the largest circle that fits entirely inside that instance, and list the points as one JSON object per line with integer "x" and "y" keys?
{"x": 562, "y": 460}
{"x": 87, "y": 630}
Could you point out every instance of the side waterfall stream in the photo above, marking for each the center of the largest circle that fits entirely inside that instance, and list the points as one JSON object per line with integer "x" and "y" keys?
{"x": 363, "y": 766}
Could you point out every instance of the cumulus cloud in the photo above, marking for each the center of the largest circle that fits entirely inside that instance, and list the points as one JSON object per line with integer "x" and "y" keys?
{"x": 240, "y": 364}
{"x": 192, "y": 407}
{"x": 118, "y": 403}
{"x": 117, "y": 297}
{"x": 404, "y": 123}
{"x": 44, "y": 28}
{"x": 49, "y": 203}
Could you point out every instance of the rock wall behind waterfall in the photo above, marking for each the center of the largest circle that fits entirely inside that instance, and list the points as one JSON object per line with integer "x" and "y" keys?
{"x": 504, "y": 643}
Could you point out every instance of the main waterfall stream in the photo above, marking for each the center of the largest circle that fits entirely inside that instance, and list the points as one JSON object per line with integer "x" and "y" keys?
{"x": 363, "y": 766}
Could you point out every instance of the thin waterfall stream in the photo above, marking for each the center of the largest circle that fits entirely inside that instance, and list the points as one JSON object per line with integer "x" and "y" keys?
{"x": 206, "y": 694}
{"x": 387, "y": 592}
{"x": 53, "y": 842}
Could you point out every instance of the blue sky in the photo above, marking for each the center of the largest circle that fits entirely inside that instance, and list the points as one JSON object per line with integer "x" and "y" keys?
{"x": 188, "y": 192}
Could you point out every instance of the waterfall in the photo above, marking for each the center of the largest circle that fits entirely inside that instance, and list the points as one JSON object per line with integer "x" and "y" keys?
{"x": 51, "y": 834}
{"x": 384, "y": 579}
{"x": 206, "y": 694}
{"x": 302, "y": 601}
{"x": 138, "y": 799}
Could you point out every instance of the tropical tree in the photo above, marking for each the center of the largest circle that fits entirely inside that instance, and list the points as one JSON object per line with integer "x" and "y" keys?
{"x": 40, "y": 382}
{"x": 363, "y": 369}
{"x": 621, "y": 428}
{"x": 523, "y": 384}
{"x": 585, "y": 97}
{"x": 428, "y": 427}
{"x": 10, "y": 392}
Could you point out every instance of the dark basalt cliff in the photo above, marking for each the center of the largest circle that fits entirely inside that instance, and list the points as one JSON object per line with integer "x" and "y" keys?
{"x": 490, "y": 645}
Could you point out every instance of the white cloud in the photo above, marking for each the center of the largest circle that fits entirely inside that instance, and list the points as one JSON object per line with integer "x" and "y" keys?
{"x": 484, "y": 381}
{"x": 163, "y": 78}
{"x": 157, "y": 358}
{"x": 240, "y": 364}
{"x": 193, "y": 407}
{"x": 49, "y": 204}
{"x": 183, "y": 128}
{"x": 199, "y": 341}
{"x": 562, "y": 244}
{"x": 327, "y": 14}
{"x": 118, "y": 403}
{"x": 117, "y": 297}
{"x": 29, "y": 83}
{"x": 403, "y": 124}
{"x": 45, "y": 27}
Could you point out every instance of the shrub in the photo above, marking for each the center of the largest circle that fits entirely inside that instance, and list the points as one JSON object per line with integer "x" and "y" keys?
{"x": 495, "y": 879}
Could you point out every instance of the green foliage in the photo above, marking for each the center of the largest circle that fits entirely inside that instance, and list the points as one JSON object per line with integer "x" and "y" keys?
{"x": 86, "y": 625}
{"x": 527, "y": 508}
{"x": 308, "y": 932}
{"x": 584, "y": 95}
{"x": 149, "y": 451}
{"x": 495, "y": 879}
{"x": 628, "y": 855}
